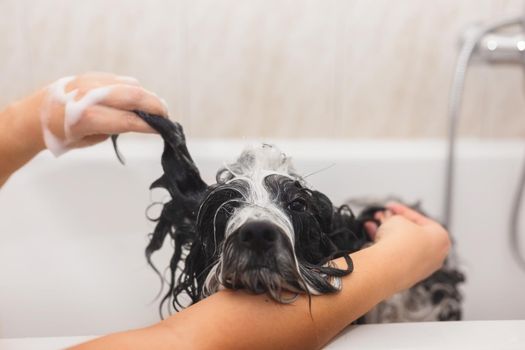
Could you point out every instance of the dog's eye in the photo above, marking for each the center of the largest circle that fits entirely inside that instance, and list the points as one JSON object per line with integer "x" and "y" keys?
{"x": 297, "y": 205}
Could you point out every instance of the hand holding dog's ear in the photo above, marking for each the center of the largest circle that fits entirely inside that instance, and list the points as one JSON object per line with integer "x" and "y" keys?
{"x": 411, "y": 238}
{"x": 73, "y": 112}
{"x": 82, "y": 110}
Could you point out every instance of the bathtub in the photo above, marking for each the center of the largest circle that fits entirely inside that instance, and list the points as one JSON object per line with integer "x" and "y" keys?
{"x": 73, "y": 229}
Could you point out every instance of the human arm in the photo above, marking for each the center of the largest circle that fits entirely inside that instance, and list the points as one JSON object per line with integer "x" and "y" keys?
{"x": 21, "y": 122}
{"x": 408, "y": 248}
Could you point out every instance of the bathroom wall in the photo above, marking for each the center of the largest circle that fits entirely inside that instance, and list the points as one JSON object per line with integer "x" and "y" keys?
{"x": 277, "y": 68}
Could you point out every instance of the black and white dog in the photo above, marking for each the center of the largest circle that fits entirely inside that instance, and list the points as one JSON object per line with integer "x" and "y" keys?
{"x": 261, "y": 228}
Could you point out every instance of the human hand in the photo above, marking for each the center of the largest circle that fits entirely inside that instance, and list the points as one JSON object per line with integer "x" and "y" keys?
{"x": 82, "y": 110}
{"x": 72, "y": 112}
{"x": 413, "y": 241}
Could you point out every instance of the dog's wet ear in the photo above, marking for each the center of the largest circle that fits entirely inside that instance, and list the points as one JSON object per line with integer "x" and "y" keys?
{"x": 336, "y": 231}
{"x": 182, "y": 180}
{"x": 345, "y": 230}
{"x": 181, "y": 176}
{"x": 323, "y": 210}
{"x": 338, "y": 226}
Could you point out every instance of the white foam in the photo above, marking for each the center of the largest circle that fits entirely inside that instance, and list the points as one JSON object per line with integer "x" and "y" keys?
{"x": 53, "y": 143}
{"x": 56, "y": 93}
{"x": 73, "y": 110}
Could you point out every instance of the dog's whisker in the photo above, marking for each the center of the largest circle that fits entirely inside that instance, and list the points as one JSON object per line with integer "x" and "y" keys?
{"x": 320, "y": 170}
{"x": 215, "y": 220}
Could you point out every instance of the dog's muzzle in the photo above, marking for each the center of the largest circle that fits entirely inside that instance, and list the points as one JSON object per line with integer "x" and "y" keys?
{"x": 260, "y": 237}
{"x": 259, "y": 257}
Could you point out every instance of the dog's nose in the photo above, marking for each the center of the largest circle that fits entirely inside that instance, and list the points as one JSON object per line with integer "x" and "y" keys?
{"x": 258, "y": 235}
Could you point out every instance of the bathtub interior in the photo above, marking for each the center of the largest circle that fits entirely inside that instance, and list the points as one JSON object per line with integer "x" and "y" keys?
{"x": 73, "y": 229}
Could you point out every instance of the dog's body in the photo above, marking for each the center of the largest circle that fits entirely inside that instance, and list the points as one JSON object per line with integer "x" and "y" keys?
{"x": 261, "y": 228}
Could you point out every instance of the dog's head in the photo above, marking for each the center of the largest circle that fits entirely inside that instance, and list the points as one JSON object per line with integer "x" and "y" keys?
{"x": 260, "y": 227}
{"x": 267, "y": 231}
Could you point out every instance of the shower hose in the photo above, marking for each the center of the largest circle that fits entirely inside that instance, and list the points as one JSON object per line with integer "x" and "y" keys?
{"x": 458, "y": 83}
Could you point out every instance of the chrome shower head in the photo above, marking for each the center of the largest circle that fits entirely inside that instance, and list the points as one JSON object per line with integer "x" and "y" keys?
{"x": 495, "y": 47}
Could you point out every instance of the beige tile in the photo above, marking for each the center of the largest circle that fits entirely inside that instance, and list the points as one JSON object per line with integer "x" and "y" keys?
{"x": 262, "y": 68}
{"x": 313, "y": 68}
{"x": 58, "y": 38}
{"x": 399, "y": 67}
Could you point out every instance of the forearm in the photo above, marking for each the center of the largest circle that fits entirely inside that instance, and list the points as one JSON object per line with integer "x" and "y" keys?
{"x": 158, "y": 337}
{"x": 237, "y": 320}
{"x": 20, "y": 135}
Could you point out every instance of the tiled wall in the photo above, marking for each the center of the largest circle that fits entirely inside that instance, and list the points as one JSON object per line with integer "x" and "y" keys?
{"x": 277, "y": 68}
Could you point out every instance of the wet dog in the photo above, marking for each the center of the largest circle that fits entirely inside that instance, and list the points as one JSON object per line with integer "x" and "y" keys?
{"x": 261, "y": 228}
